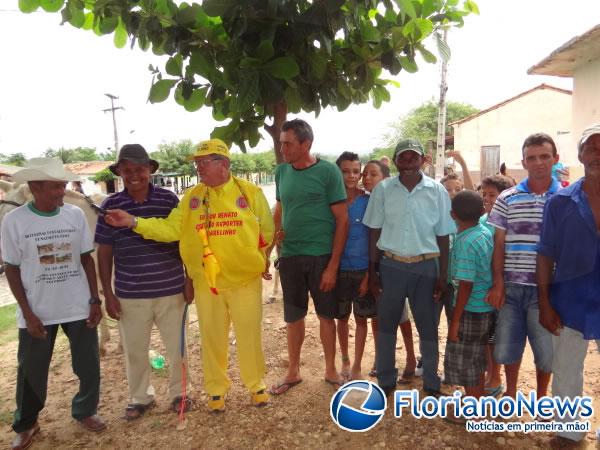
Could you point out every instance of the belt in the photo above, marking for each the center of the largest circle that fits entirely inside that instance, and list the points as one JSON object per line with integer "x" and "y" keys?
{"x": 411, "y": 259}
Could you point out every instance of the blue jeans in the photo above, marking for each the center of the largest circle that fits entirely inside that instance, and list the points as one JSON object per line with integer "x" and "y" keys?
{"x": 416, "y": 282}
{"x": 519, "y": 319}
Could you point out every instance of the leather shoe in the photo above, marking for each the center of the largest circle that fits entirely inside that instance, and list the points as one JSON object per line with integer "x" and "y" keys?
{"x": 93, "y": 423}
{"x": 24, "y": 439}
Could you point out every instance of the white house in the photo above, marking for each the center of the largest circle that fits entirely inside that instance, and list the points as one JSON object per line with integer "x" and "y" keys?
{"x": 496, "y": 134}
{"x": 579, "y": 59}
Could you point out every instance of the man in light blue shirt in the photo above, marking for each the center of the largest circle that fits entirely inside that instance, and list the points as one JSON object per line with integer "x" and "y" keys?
{"x": 410, "y": 221}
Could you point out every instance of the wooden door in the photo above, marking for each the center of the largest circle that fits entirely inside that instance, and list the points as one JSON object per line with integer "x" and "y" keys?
{"x": 490, "y": 160}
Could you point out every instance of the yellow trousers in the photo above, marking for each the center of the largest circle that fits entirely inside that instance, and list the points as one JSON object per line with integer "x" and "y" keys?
{"x": 241, "y": 306}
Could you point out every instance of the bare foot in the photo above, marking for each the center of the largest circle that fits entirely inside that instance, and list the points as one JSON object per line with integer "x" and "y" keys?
{"x": 356, "y": 374}
{"x": 411, "y": 365}
{"x": 345, "y": 367}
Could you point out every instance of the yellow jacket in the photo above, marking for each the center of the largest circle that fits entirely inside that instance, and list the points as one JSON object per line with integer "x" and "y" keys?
{"x": 239, "y": 226}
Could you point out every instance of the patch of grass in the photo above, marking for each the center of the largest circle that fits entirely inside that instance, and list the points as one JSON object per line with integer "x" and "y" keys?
{"x": 7, "y": 317}
{"x": 6, "y": 417}
{"x": 8, "y": 324}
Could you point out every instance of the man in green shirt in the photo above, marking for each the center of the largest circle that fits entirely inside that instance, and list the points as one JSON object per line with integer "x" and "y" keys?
{"x": 311, "y": 220}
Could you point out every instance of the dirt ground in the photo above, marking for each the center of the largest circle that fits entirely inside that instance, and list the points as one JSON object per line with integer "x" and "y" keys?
{"x": 298, "y": 419}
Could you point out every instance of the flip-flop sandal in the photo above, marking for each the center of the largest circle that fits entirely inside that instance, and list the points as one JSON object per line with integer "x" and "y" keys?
{"x": 406, "y": 377}
{"x": 136, "y": 410}
{"x": 337, "y": 384}
{"x": 283, "y": 387}
{"x": 494, "y": 391}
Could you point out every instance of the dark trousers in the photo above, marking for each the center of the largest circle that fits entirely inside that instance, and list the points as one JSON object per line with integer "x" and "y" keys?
{"x": 34, "y": 357}
{"x": 416, "y": 282}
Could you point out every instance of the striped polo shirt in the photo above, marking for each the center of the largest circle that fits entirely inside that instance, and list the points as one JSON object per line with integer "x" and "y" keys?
{"x": 143, "y": 268}
{"x": 519, "y": 212}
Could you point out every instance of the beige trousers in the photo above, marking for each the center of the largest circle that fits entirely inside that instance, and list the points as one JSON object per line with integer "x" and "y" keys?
{"x": 138, "y": 315}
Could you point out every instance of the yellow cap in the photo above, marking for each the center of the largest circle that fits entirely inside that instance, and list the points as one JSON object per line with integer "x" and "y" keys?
{"x": 211, "y": 147}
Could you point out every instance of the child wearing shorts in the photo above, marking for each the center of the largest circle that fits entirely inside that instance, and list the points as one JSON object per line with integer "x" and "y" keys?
{"x": 465, "y": 361}
{"x": 491, "y": 188}
{"x": 351, "y": 291}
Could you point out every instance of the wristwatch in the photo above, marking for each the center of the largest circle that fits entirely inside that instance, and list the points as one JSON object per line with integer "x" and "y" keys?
{"x": 95, "y": 301}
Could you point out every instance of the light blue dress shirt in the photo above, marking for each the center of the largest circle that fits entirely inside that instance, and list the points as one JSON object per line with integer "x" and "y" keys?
{"x": 409, "y": 221}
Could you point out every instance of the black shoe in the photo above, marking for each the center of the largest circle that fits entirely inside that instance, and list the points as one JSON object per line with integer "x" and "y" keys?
{"x": 388, "y": 390}
{"x": 419, "y": 368}
{"x": 433, "y": 392}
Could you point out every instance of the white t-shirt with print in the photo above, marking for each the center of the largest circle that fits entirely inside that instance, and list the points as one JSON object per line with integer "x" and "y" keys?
{"x": 47, "y": 248}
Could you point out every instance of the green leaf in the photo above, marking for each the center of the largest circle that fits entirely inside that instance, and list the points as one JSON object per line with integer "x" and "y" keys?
{"x": 425, "y": 27}
{"x": 406, "y": 7}
{"x": 196, "y": 100}
{"x": 318, "y": 65}
{"x": 187, "y": 15}
{"x": 200, "y": 65}
{"x": 107, "y": 25}
{"x": 217, "y": 7}
{"x": 160, "y": 90}
{"x": 426, "y": 54}
{"x": 407, "y": 64}
{"x": 293, "y": 100}
{"x": 77, "y": 18}
{"x": 284, "y": 67}
{"x": 265, "y": 50}
{"x": 174, "y": 66}
{"x": 28, "y": 6}
{"x": 369, "y": 33}
{"x": 52, "y": 5}
{"x": 443, "y": 48}
{"x": 88, "y": 24}
{"x": 120, "y": 38}
{"x": 471, "y": 6}
{"x": 247, "y": 92}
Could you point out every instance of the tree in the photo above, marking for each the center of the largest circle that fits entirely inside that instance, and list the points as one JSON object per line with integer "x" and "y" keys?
{"x": 172, "y": 157}
{"x": 257, "y": 59}
{"x": 13, "y": 159}
{"x": 71, "y": 155}
{"x": 421, "y": 122}
{"x": 105, "y": 175}
{"x": 242, "y": 164}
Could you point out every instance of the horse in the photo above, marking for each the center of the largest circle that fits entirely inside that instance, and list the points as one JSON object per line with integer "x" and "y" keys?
{"x": 14, "y": 197}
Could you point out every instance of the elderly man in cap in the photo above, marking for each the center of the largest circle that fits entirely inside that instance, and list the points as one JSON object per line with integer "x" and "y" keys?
{"x": 148, "y": 280}
{"x": 410, "y": 222}
{"x": 224, "y": 226}
{"x": 47, "y": 246}
{"x": 568, "y": 275}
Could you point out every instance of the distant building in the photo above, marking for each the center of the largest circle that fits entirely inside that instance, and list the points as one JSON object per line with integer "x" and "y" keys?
{"x": 579, "y": 59}
{"x": 86, "y": 170}
{"x": 496, "y": 134}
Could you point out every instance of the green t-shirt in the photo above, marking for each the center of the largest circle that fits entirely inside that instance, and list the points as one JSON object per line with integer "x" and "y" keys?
{"x": 306, "y": 196}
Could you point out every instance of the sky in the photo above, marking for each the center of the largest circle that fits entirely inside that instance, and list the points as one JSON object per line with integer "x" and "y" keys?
{"x": 53, "y": 79}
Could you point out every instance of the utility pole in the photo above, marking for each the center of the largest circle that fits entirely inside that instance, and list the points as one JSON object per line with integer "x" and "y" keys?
{"x": 440, "y": 156}
{"x": 113, "y": 109}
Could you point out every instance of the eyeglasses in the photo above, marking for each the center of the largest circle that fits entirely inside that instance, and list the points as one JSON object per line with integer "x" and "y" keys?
{"x": 199, "y": 163}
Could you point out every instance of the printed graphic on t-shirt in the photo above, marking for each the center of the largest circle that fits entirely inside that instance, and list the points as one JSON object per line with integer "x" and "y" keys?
{"x": 56, "y": 257}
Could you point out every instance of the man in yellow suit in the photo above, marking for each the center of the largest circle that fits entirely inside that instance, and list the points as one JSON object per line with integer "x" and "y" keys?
{"x": 224, "y": 227}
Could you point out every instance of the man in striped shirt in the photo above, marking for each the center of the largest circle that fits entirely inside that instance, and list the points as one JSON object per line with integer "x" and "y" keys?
{"x": 517, "y": 217}
{"x": 149, "y": 279}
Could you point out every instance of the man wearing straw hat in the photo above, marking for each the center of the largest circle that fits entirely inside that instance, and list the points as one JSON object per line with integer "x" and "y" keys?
{"x": 224, "y": 226}
{"x": 47, "y": 246}
{"x": 148, "y": 281}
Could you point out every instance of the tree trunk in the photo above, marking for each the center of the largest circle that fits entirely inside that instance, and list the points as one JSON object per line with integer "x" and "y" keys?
{"x": 279, "y": 116}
